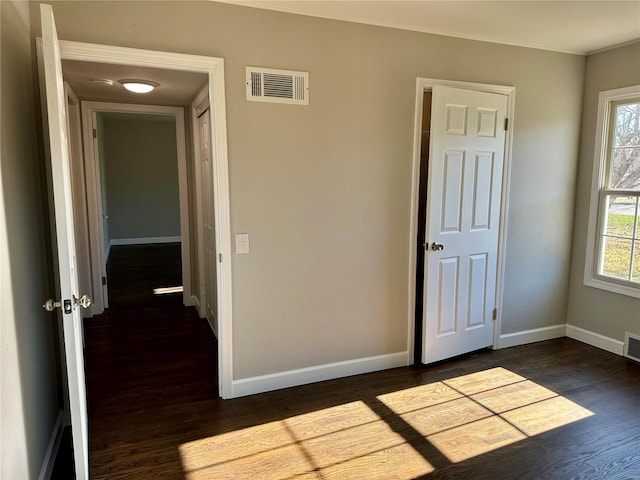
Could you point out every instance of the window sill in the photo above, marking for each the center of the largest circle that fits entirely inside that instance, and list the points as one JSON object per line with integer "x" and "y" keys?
{"x": 613, "y": 287}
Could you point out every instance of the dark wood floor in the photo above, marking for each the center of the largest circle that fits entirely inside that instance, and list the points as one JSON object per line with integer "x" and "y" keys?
{"x": 551, "y": 410}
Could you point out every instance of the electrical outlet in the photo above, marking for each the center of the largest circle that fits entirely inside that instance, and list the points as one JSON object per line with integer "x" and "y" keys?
{"x": 242, "y": 243}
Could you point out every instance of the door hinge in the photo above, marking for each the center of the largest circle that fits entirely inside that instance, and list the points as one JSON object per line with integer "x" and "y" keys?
{"x": 220, "y": 257}
{"x": 495, "y": 314}
{"x": 95, "y": 133}
{"x": 506, "y": 124}
{"x": 104, "y": 281}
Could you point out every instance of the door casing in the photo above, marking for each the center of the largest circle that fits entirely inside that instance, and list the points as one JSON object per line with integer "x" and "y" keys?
{"x": 214, "y": 68}
{"x": 426, "y": 84}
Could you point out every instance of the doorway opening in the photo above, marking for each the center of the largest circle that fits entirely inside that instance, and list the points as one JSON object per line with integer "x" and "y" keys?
{"x": 212, "y": 68}
{"x": 425, "y": 135}
{"x": 51, "y": 53}
{"x": 140, "y": 196}
{"x": 137, "y": 184}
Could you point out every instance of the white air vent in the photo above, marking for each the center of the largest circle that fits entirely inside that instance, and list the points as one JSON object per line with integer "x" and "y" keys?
{"x": 632, "y": 346}
{"x": 277, "y": 86}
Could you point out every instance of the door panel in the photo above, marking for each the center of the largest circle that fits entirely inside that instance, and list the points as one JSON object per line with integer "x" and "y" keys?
{"x": 463, "y": 209}
{"x": 448, "y": 297}
{"x": 65, "y": 236}
{"x": 477, "y": 290}
{"x": 452, "y": 193}
{"x": 483, "y": 183}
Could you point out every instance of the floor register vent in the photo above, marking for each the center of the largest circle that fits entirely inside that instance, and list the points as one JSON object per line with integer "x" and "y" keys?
{"x": 277, "y": 86}
{"x": 632, "y": 346}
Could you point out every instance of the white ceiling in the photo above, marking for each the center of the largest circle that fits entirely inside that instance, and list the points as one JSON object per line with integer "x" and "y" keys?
{"x": 176, "y": 88}
{"x": 579, "y": 27}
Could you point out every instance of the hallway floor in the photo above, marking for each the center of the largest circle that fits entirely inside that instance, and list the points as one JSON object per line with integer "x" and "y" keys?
{"x": 151, "y": 366}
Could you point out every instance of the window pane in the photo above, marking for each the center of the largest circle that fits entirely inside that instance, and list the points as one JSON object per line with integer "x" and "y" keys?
{"x": 617, "y": 257}
{"x": 620, "y": 215}
{"x": 625, "y": 172}
{"x": 635, "y": 274}
{"x": 625, "y": 154}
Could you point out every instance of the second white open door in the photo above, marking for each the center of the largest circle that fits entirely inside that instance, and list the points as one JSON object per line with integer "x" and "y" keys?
{"x": 463, "y": 220}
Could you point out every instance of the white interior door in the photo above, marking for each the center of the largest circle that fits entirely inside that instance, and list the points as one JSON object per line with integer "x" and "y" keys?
{"x": 463, "y": 216}
{"x": 65, "y": 237}
{"x": 207, "y": 220}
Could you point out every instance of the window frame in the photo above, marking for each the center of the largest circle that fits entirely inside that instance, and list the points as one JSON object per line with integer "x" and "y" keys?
{"x": 599, "y": 191}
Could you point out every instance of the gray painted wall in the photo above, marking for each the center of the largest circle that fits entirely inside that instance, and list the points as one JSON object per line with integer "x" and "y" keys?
{"x": 599, "y": 311}
{"x": 141, "y": 175}
{"x": 324, "y": 191}
{"x": 29, "y": 388}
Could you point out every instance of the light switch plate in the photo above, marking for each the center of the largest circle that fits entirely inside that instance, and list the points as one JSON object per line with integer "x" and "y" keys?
{"x": 242, "y": 243}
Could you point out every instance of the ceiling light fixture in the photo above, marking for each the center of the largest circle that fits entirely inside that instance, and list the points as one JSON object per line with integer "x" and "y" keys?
{"x": 138, "y": 86}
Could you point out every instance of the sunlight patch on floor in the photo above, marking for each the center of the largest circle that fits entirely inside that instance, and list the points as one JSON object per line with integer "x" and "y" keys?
{"x": 459, "y": 418}
{"x": 475, "y": 438}
{"x": 168, "y": 290}
{"x": 467, "y": 416}
{"x": 342, "y": 442}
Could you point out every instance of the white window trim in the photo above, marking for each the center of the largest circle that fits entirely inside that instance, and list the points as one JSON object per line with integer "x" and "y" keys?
{"x": 591, "y": 277}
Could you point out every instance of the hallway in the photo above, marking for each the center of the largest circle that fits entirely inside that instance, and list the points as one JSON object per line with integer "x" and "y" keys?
{"x": 151, "y": 368}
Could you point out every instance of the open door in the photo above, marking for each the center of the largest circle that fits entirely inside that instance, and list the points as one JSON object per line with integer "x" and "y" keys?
{"x": 207, "y": 221}
{"x": 463, "y": 221}
{"x": 67, "y": 267}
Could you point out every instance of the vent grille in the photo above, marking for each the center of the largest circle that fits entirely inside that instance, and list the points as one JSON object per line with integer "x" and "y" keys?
{"x": 256, "y": 84}
{"x": 277, "y": 86}
{"x": 632, "y": 346}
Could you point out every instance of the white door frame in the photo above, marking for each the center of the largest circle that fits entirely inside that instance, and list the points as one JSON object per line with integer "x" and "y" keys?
{"x": 214, "y": 68}
{"x": 423, "y": 85}
{"x": 94, "y": 183}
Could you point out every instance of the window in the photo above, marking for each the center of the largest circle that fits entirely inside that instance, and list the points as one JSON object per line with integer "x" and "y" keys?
{"x": 613, "y": 245}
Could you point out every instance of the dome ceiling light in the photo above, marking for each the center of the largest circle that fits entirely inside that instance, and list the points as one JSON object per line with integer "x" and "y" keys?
{"x": 138, "y": 86}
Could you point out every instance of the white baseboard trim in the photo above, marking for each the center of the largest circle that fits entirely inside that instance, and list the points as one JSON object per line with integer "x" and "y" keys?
{"x": 319, "y": 373}
{"x": 562, "y": 330}
{"x": 214, "y": 326}
{"x": 143, "y": 240}
{"x": 596, "y": 340}
{"x": 196, "y": 303}
{"x": 52, "y": 449}
{"x": 531, "y": 336}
